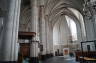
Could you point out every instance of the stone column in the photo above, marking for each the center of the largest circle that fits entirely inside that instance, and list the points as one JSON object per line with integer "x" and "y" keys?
{"x": 35, "y": 28}
{"x": 48, "y": 37}
{"x": 10, "y": 33}
{"x": 79, "y": 35}
{"x": 42, "y": 31}
{"x": 50, "y": 40}
{"x": 34, "y": 52}
{"x": 94, "y": 26}
{"x": 1, "y": 31}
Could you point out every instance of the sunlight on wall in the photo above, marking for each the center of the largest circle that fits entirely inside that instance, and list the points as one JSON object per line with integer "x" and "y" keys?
{"x": 64, "y": 31}
{"x": 73, "y": 28}
{"x": 69, "y": 31}
{"x": 81, "y": 21}
{"x": 61, "y": 32}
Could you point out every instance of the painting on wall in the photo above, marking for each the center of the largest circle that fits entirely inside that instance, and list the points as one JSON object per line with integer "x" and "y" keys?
{"x": 66, "y": 52}
{"x": 88, "y": 46}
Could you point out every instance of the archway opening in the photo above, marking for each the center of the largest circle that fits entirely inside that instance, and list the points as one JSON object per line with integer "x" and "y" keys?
{"x": 64, "y": 35}
{"x": 68, "y": 31}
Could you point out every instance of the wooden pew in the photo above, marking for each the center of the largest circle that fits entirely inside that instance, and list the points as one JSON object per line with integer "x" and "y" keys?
{"x": 80, "y": 55}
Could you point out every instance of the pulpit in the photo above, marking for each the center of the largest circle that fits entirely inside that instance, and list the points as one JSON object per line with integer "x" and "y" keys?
{"x": 89, "y": 55}
{"x": 24, "y": 50}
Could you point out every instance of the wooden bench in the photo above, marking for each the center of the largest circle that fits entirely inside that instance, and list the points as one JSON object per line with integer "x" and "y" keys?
{"x": 85, "y": 55}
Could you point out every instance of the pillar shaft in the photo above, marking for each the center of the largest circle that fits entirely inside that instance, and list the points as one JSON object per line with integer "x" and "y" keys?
{"x": 35, "y": 27}
{"x": 47, "y": 36}
{"x": 42, "y": 29}
{"x": 34, "y": 14}
{"x": 50, "y": 38}
{"x": 1, "y": 31}
{"x": 34, "y": 49}
{"x": 10, "y": 32}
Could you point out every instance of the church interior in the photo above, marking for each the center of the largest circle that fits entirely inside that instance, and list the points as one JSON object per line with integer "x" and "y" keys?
{"x": 47, "y": 31}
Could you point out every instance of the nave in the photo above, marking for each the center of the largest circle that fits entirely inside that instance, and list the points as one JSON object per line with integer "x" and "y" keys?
{"x": 47, "y": 29}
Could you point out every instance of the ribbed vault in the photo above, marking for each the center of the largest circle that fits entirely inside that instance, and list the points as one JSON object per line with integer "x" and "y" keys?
{"x": 56, "y": 8}
{"x": 53, "y": 9}
{"x": 54, "y": 4}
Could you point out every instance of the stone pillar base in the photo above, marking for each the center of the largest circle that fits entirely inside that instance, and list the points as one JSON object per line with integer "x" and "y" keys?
{"x": 8, "y": 61}
{"x": 34, "y": 60}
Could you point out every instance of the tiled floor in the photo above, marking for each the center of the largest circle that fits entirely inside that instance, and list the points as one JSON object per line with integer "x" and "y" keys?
{"x": 60, "y": 60}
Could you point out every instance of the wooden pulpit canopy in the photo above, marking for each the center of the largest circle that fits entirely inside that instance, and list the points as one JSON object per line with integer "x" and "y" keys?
{"x": 26, "y": 35}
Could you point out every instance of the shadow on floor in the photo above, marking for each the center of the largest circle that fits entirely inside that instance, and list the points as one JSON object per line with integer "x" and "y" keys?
{"x": 60, "y": 59}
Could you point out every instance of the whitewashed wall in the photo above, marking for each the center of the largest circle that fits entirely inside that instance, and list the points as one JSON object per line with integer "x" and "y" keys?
{"x": 61, "y": 33}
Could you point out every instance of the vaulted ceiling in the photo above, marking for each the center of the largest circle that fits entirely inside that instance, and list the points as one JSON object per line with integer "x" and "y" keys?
{"x": 54, "y": 4}
{"x": 54, "y": 9}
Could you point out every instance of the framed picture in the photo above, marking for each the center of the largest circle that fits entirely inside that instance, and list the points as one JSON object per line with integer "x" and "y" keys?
{"x": 66, "y": 52}
{"x": 88, "y": 46}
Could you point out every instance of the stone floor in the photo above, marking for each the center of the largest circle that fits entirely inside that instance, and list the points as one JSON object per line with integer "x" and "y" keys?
{"x": 60, "y": 60}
